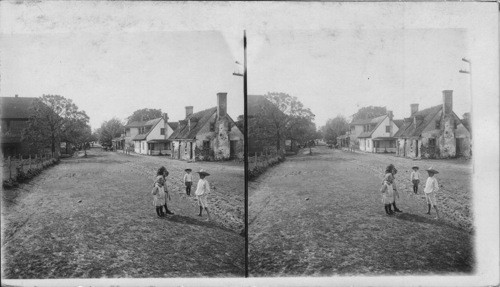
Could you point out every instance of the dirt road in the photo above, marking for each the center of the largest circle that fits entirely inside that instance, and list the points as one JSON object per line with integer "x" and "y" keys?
{"x": 94, "y": 217}
{"x": 322, "y": 215}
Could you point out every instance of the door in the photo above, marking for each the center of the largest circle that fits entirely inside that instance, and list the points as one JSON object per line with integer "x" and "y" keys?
{"x": 191, "y": 150}
{"x": 232, "y": 149}
{"x": 458, "y": 150}
{"x": 416, "y": 148}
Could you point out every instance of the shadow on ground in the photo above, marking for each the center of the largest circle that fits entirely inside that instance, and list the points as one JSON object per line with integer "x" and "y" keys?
{"x": 428, "y": 219}
{"x": 194, "y": 221}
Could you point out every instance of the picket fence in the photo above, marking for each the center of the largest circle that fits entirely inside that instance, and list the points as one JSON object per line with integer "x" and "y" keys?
{"x": 12, "y": 166}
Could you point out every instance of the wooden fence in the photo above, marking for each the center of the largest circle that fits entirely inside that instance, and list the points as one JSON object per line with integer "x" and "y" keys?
{"x": 12, "y": 166}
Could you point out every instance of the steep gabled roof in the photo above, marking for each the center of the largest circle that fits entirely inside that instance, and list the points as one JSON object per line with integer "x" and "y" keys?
{"x": 15, "y": 107}
{"x": 135, "y": 124}
{"x": 198, "y": 120}
{"x": 150, "y": 123}
{"x": 174, "y": 125}
{"x": 373, "y": 121}
{"x": 424, "y": 118}
{"x": 398, "y": 123}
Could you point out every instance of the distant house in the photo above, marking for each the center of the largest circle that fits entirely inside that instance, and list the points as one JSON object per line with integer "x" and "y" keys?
{"x": 371, "y": 135}
{"x": 14, "y": 117}
{"x": 152, "y": 137}
{"x": 435, "y": 132}
{"x": 260, "y": 140}
{"x": 376, "y": 134}
{"x": 210, "y": 134}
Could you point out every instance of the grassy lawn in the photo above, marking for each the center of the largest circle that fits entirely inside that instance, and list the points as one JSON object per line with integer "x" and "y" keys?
{"x": 322, "y": 215}
{"x": 93, "y": 217}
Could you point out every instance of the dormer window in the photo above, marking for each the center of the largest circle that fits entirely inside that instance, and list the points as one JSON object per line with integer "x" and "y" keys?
{"x": 212, "y": 127}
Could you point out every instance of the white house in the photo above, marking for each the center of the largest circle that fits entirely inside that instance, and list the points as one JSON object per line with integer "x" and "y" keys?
{"x": 152, "y": 136}
{"x": 376, "y": 134}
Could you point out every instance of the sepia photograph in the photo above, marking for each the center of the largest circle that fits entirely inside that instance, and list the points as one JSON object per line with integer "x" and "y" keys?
{"x": 122, "y": 154}
{"x": 361, "y": 148}
{"x": 384, "y": 180}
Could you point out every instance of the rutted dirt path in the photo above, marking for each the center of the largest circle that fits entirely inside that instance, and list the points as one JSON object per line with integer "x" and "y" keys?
{"x": 93, "y": 217}
{"x": 322, "y": 215}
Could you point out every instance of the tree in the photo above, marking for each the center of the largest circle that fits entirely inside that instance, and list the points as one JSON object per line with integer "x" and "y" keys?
{"x": 295, "y": 122}
{"x": 369, "y": 112}
{"x": 335, "y": 127}
{"x": 54, "y": 119}
{"x": 144, "y": 115}
{"x": 110, "y": 130}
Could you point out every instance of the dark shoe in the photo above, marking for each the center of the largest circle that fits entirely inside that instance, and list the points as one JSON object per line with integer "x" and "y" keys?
{"x": 199, "y": 214}
{"x": 169, "y": 212}
{"x": 397, "y": 210}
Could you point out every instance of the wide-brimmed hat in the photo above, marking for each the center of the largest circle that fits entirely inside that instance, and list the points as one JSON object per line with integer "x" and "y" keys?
{"x": 203, "y": 172}
{"x": 431, "y": 169}
{"x": 188, "y": 169}
{"x": 415, "y": 167}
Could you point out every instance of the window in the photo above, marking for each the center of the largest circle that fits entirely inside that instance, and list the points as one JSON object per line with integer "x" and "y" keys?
{"x": 455, "y": 125}
{"x": 212, "y": 127}
{"x": 432, "y": 142}
{"x": 387, "y": 129}
{"x": 162, "y": 131}
{"x": 438, "y": 124}
{"x": 206, "y": 145}
{"x": 143, "y": 145}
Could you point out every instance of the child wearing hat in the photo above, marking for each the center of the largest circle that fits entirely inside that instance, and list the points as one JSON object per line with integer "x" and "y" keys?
{"x": 188, "y": 180}
{"x": 159, "y": 195}
{"x": 431, "y": 187}
{"x": 415, "y": 178}
{"x": 202, "y": 189}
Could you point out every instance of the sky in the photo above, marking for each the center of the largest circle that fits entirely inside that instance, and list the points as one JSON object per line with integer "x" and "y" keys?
{"x": 338, "y": 71}
{"x": 113, "y": 74}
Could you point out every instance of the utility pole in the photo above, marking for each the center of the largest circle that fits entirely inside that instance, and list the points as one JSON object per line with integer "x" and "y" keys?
{"x": 245, "y": 130}
{"x": 470, "y": 76}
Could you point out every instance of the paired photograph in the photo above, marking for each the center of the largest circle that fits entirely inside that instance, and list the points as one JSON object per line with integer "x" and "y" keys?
{"x": 178, "y": 151}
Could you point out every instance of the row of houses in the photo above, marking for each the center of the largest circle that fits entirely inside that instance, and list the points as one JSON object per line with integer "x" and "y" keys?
{"x": 435, "y": 132}
{"x": 210, "y": 134}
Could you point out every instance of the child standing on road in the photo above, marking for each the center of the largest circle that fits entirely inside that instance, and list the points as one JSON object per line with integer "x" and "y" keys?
{"x": 159, "y": 196}
{"x": 396, "y": 193}
{"x": 415, "y": 178}
{"x": 163, "y": 173}
{"x": 431, "y": 187}
{"x": 387, "y": 193}
{"x": 188, "y": 181}
{"x": 202, "y": 189}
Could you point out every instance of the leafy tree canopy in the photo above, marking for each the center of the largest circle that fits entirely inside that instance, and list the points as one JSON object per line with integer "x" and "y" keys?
{"x": 54, "y": 119}
{"x": 335, "y": 127}
{"x": 369, "y": 112}
{"x": 109, "y": 130}
{"x": 144, "y": 115}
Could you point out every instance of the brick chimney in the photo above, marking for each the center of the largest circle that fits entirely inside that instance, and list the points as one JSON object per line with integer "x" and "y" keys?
{"x": 165, "y": 123}
{"x": 414, "y": 108}
{"x": 221, "y": 105}
{"x": 391, "y": 116}
{"x": 189, "y": 111}
{"x": 447, "y": 102}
